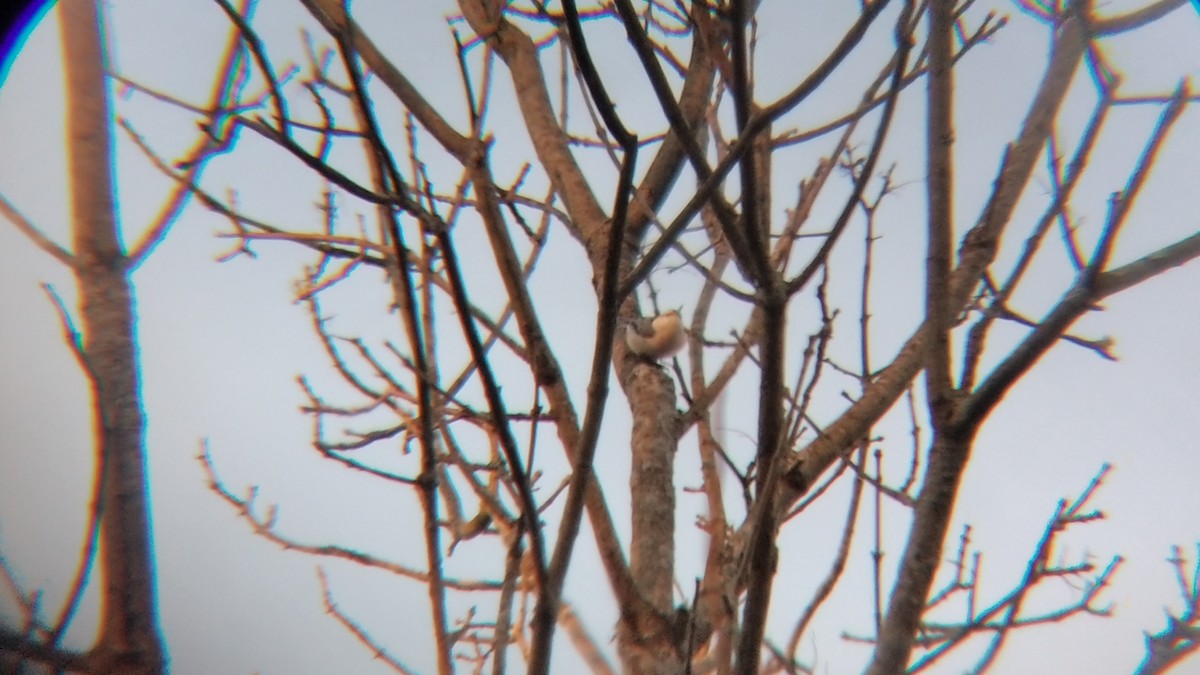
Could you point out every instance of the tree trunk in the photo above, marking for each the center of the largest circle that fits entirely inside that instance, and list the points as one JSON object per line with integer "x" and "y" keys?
{"x": 922, "y": 555}
{"x": 129, "y": 641}
{"x": 644, "y": 647}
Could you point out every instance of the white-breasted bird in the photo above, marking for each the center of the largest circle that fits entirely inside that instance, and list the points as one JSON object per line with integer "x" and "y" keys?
{"x": 657, "y": 337}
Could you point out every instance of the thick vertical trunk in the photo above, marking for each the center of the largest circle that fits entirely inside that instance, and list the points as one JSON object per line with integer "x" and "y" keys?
{"x": 129, "y": 640}
{"x": 922, "y": 555}
{"x": 644, "y": 647}
{"x": 651, "y": 483}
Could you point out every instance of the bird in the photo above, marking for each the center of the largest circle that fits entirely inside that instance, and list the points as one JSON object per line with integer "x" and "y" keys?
{"x": 657, "y": 337}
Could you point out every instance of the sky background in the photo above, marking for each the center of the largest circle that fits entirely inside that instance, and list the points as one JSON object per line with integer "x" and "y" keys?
{"x": 222, "y": 345}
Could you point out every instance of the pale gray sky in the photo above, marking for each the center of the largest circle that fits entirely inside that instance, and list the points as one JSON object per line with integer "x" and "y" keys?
{"x": 222, "y": 345}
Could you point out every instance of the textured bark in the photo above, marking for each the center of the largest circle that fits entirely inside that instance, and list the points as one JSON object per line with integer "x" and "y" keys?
{"x": 129, "y": 641}
{"x": 644, "y": 646}
{"x": 922, "y": 555}
{"x": 651, "y": 483}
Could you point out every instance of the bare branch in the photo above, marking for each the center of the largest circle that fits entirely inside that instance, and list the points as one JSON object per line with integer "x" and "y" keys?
{"x": 264, "y": 526}
{"x": 35, "y": 235}
{"x": 356, "y": 630}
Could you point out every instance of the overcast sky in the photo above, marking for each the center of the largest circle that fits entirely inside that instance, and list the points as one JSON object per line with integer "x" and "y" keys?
{"x": 222, "y": 344}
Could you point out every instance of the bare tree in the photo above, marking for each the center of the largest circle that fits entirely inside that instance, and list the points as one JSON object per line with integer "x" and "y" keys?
{"x": 496, "y": 431}
{"x": 105, "y": 346}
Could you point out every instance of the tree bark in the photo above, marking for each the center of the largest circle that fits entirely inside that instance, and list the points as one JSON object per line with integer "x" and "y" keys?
{"x": 922, "y": 555}
{"x": 129, "y": 640}
{"x": 644, "y": 647}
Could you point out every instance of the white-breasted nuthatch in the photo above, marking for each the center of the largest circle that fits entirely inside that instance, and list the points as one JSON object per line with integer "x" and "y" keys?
{"x": 656, "y": 338}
